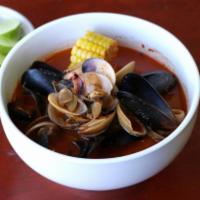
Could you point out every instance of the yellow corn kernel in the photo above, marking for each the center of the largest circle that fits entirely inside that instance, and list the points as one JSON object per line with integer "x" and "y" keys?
{"x": 93, "y": 45}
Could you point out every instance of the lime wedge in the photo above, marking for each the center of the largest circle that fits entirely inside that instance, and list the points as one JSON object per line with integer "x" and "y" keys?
{"x": 11, "y": 29}
{"x": 6, "y": 45}
{"x": 1, "y": 58}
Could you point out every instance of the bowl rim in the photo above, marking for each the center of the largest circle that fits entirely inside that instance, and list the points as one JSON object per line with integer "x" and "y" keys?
{"x": 191, "y": 111}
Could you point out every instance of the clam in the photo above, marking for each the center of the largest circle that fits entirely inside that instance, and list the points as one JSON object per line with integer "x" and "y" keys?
{"x": 65, "y": 96}
{"x": 96, "y": 126}
{"x": 133, "y": 126}
{"x": 95, "y": 76}
{"x": 73, "y": 108}
{"x": 63, "y": 120}
{"x": 77, "y": 82}
{"x": 96, "y": 108}
{"x": 128, "y": 68}
{"x": 100, "y": 66}
{"x": 140, "y": 98}
{"x": 39, "y": 77}
{"x": 58, "y": 118}
{"x": 97, "y": 83}
{"x": 97, "y": 94}
{"x": 109, "y": 104}
{"x": 64, "y": 83}
{"x": 162, "y": 81}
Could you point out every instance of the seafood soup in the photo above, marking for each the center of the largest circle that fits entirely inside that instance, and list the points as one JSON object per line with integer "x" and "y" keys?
{"x": 97, "y": 100}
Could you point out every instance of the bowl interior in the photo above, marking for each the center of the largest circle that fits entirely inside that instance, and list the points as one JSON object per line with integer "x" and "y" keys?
{"x": 129, "y": 31}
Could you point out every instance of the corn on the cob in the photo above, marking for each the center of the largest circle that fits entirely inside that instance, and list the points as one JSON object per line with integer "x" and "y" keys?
{"x": 93, "y": 45}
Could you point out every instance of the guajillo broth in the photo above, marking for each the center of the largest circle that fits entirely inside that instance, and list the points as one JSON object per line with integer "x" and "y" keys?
{"x": 112, "y": 147}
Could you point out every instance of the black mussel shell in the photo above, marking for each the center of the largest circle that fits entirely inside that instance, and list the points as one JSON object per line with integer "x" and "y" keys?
{"x": 139, "y": 97}
{"x": 39, "y": 77}
{"x": 42, "y": 137}
{"x": 84, "y": 147}
{"x": 162, "y": 81}
{"x": 41, "y": 102}
{"x": 153, "y": 117}
{"x": 138, "y": 86}
{"x": 43, "y": 140}
{"x": 47, "y": 69}
{"x": 119, "y": 139}
{"x": 87, "y": 145}
{"x": 113, "y": 137}
{"x": 19, "y": 114}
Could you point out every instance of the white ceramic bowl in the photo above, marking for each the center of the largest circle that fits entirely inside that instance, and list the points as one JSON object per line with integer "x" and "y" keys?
{"x": 100, "y": 174}
{"x": 6, "y": 13}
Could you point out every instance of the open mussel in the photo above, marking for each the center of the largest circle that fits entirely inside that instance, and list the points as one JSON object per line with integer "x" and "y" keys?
{"x": 128, "y": 68}
{"x": 139, "y": 97}
{"x": 39, "y": 77}
{"x": 27, "y": 110}
{"x": 130, "y": 123}
{"x": 41, "y": 129}
{"x": 114, "y": 137}
{"x": 162, "y": 81}
{"x": 87, "y": 145}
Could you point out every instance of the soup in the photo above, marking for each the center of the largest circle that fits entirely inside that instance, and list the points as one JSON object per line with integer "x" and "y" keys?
{"x": 115, "y": 140}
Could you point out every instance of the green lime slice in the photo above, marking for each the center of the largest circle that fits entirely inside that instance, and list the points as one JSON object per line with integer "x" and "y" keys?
{"x": 11, "y": 29}
{"x": 1, "y": 58}
{"x": 6, "y": 45}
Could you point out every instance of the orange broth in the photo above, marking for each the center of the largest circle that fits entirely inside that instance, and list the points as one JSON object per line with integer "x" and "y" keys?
{"x": 62, "y": 142}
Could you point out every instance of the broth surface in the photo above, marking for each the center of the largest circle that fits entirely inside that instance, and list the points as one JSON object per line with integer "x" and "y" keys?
{"x": 62, "y": 142}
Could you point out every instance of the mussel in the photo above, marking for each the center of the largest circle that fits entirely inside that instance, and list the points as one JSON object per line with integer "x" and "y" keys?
{"x": 139, "y": 97}
{"x": 39, "y": 77}
{"x": 27, "y": 107}
{"x": 161, "y": 81}
{"x": 21, "y": 114}
{"x": 130, "y": 123}
{"x": 128, "y": 68}
{"x": 86, "y": 99}
{"x": 87, "y": 145}
{"x": 114, "y": 137}
{"x": 41, "y": 129}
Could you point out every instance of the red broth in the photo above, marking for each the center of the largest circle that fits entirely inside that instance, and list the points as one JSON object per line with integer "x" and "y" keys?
{"x": 62, "y": 142}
